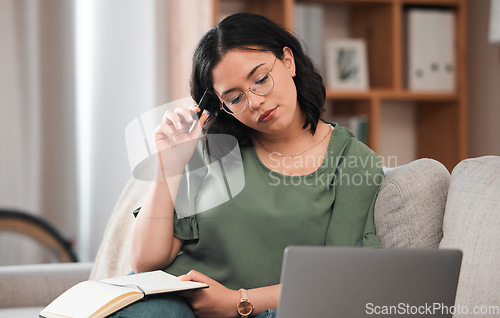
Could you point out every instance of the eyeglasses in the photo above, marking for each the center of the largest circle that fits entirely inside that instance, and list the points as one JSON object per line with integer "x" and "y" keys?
{"x": 236, "y": 101}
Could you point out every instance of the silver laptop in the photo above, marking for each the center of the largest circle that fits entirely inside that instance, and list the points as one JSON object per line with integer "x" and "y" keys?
{"x": 368, "y": 282}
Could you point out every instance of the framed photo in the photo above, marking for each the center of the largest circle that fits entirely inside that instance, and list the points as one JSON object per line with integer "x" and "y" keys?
{"x": 346, "y": 64}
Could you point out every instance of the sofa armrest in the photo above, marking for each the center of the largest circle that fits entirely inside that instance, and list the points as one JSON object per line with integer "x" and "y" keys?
{"x": 39, "y": 284}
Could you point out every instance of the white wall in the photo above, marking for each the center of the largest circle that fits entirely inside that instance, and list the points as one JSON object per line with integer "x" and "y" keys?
{"x": 116, "y": 81}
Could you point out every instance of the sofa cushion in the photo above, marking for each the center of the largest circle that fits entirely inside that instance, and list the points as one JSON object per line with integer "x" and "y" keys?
{"x": 410, "y": 206}
{"x": 471, "y": 224}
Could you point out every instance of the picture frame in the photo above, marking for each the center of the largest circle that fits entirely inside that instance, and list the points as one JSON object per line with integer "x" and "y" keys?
{"x": 346, "y": 64}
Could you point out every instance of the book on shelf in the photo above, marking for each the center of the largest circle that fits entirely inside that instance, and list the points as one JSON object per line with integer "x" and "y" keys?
{"x": 101, "y": 298}
{"x": 309, "y": 28}
{"x": 430, "y": 49}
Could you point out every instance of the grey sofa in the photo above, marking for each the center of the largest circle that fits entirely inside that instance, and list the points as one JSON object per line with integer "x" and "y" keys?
{"x": 419, "y": 205}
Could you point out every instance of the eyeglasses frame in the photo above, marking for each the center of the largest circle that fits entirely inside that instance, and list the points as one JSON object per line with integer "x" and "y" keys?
{"x": 244, "y": 92}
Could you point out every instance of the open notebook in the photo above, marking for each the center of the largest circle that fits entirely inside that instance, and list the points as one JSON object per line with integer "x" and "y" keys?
{"x": 104, "y": 297}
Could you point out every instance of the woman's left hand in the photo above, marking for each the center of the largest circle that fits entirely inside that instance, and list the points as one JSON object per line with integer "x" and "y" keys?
{"x": 214, "y": 301}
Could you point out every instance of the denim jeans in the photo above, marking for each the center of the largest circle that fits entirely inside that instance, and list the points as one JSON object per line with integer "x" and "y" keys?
{"x": 166, "y": 306}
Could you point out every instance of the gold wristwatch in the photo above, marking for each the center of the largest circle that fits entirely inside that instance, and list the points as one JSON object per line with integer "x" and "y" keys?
{"x": 244, "y": 308}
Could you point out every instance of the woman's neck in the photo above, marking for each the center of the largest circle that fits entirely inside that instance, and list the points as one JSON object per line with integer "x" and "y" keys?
{"x": 294, "y": 140}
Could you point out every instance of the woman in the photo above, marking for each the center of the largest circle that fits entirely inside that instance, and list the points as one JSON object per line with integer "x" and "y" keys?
{"x": 307, "y": 182}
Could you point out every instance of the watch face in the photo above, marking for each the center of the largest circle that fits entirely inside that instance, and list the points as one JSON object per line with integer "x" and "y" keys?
{"x": 244, "y": 308}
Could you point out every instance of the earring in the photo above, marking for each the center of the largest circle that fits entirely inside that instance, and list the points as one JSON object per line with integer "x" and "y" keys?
{"x": 293, "y": 74}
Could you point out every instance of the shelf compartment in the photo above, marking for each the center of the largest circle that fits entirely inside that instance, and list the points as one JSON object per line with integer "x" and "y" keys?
{"x": 433, "y": 3}
{"x": 437, "y": 127}
{"x": 374, "y": 22}
{"x": 382, "y": 94}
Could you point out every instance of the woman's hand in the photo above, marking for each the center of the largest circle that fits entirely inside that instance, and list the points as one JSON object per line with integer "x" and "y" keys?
{"x": 174, "y": 141}
{"x": 214, "y": 301}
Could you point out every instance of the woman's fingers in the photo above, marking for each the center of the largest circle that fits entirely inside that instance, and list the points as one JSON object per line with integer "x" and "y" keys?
{"x": 185, "y": 114}
{"x": 176, "y": 138}
{"x": 196, "y": 276}
{"x": 173, "y": 118}
{"x": 199, "y": 125}
{"x": 179, "y": 125}
{"x": 180, "y": 117}
{"x": 166, "y": 129}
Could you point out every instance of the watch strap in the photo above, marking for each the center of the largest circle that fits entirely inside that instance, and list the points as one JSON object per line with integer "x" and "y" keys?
{"x": 244, "y": 307}
{"x": 243, "y": 294}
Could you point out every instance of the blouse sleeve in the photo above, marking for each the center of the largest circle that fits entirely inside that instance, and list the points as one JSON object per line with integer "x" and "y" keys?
{"x": 185, "y": 228}
{"x": 358, "y": 178}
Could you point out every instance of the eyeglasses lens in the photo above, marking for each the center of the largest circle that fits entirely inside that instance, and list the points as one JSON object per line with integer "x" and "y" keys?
{"x": 236, "y": 101}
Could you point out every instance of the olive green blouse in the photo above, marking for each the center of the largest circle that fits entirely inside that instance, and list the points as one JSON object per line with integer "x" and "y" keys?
{"x": 236, "y": 234}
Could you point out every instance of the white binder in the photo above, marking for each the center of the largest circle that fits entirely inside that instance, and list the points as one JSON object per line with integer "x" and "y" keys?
{"x": 430, "y": 50}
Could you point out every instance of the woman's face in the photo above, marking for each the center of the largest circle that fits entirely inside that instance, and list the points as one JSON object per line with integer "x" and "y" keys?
{"x": 273, "y": 112}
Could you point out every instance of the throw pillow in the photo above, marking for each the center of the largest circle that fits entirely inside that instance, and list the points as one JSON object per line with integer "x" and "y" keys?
{"x": 410, "y": 206}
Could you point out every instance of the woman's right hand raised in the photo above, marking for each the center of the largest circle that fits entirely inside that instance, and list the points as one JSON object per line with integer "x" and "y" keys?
{"x": 175, "y": 139}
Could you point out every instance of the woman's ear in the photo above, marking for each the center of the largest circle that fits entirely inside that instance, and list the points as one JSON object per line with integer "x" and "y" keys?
{"x": 289, "y": 60}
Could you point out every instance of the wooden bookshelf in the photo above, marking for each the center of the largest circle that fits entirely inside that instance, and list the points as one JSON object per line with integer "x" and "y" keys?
{"x": 441, "y": 118}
